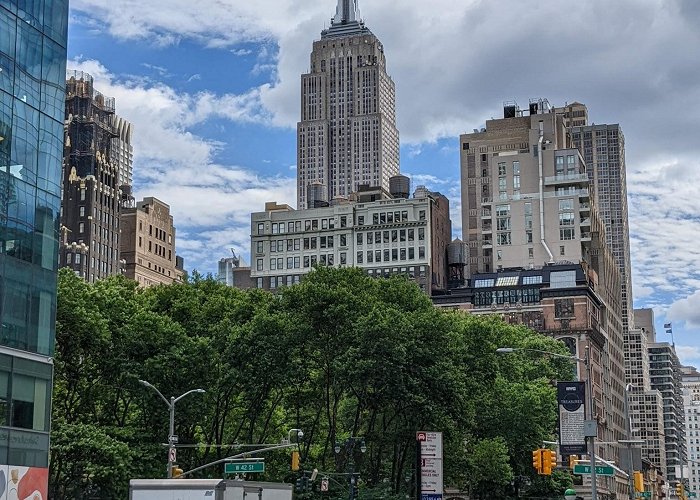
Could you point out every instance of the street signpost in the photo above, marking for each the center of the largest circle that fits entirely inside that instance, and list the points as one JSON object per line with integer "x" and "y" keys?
{"x": 431, "y": 478}
{"x": 601, "y": 470}
{"x": 643, "y": 494}
{"x": 239, "y": 467}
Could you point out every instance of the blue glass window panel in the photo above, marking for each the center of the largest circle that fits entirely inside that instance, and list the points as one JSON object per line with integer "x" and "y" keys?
{"x": 46, "y": 230}
{"x": 25, "y": 142}
{"x": 28, "y": 65}
{"x": 50, "y": 160}
{"x": 8, "y": 28}
{"x": 31, "y": 12}
{"x": 56, "y": 21}
{"x": 27, "y": 306}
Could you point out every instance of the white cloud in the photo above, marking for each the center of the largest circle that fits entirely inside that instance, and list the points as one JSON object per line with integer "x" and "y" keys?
{"x": 211, "y": 203}
{"x": 688, "y": 354}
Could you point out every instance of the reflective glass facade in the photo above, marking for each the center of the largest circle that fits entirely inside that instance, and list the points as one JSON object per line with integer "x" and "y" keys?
{"x": 32, "y": 93}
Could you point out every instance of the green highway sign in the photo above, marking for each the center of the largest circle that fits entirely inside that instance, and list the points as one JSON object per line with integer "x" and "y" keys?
{"x": 601, "y": 470}
{"x": 643, "y": 494}
{"x": 235, "y": 467}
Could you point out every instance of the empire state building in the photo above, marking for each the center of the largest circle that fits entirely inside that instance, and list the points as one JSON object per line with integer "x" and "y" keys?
{"x": 347, "y": 135}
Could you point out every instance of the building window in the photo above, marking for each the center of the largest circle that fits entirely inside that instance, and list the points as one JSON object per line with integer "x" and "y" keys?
{"x": 360, "y": 220}
{"x": 359, "y": 238}
{"x": 562, "y": 250}
{"x": 259, "y": 265}
{"x": 343, "y": 220}
{"x": 503, "y": 238}
{"x": 566, "y": 205}
{"x": 260, "y": 247}
{"x": 566, "y": 219}
{"x": 562, "y": 279}
{"x": 360, "y": 257}
{"x": 421, "y": 252}
{"x": 82, "y": 211}
{"x": 516, "y": 168}
{"x": 502, "y": 168}
{"x": 421, "y": 215}
{"x": 568, "y": 233}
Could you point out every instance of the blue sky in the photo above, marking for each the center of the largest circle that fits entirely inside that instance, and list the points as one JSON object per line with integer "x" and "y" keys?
{"x": 212, "y": 89}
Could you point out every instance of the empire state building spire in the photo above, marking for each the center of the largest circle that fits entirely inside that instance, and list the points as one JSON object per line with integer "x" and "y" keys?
{"x": 346, "y": 12}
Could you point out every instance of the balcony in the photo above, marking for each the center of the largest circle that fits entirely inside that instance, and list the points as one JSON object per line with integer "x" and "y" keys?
{"x": 586, "y": 222}
{"x": 583, "y": 194}
{"x": 585, "y": 236}
{"x": 487, "y": 243}
{"x": 485, "y": 213}
{"x": 565, "y": 179}
{"x": 584, "y": 207}
{"x": 486, "y": 199}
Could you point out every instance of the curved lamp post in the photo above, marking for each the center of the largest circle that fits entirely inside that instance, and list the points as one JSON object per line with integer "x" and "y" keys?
{"x": 171, "y": 431}
{"x": 589, "y": 389}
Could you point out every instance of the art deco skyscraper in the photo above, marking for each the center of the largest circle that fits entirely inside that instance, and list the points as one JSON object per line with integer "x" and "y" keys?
{"x": 92, "y": 194}
{"x": 347, "y": 135}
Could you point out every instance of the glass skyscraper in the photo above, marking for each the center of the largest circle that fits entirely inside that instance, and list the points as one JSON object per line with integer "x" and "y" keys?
{"x": 32, "y": 93}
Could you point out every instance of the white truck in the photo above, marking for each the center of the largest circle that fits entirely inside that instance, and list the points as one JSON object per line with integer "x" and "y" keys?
{"x": 207, "y": 489}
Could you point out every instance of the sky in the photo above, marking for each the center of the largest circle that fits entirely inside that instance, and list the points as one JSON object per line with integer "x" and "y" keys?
{"x": 213, "y": 91}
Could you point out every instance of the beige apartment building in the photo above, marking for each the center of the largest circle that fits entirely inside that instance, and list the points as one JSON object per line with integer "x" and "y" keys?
{"x": 528, "y": 203}
{"x": 382, "y": 235}
{"x": 347, "y": 134}
{"x": 148, "y": 243}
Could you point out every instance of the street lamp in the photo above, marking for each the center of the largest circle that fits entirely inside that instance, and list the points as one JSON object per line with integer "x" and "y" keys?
{"x": 589, "y": 383}
{"x": 299, "y": 433}
{"x": 348, "y": 447}
{"x": 172, "y": 439}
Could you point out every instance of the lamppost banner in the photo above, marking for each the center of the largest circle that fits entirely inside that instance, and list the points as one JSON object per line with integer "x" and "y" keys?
{"x": 571, "y": 397}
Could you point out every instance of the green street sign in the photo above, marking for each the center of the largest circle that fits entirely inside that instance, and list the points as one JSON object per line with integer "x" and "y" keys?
{"x": 235, "y": 467}
{"x": 692, "y": 494}
{"x": 601, "y": 470}
{"x": 643, "y": 494}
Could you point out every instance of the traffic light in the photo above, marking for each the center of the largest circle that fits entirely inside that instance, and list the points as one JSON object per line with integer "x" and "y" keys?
{"x": 295, "y": 461}
{"x": 176, "y": 471}
{"x": 537, "y": 460}
{"x": 638, "y": 481}
{"x": 680, "y": 491}
{"x": 549, "y": 461}
{"x": 573, "y": 460}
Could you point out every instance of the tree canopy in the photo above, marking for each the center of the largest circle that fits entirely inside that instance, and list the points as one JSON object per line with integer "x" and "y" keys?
{"x": 340, "y": 355}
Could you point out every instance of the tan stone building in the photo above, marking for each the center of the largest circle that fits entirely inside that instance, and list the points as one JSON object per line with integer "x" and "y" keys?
{"x": 148, "y": 243}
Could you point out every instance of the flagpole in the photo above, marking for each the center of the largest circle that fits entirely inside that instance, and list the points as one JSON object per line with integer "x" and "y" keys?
{"x": 669, "y": 329}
